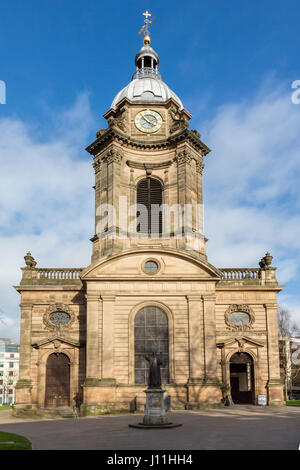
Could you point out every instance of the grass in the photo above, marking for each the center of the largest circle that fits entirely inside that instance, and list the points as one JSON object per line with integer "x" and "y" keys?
{"x": 5, "y": 407}
{"x": 10, "y": 441}
{"x": 293, "y": 403}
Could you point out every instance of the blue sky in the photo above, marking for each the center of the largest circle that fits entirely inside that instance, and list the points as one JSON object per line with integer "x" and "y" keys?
{"x": 232, "y": 63}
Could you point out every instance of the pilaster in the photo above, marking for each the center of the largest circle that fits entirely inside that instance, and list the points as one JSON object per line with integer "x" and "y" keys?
{"x": 209, "y": 326}
{"x": 196, "y": 359}
{"x": 23, "y": 386}
{"x": 108, "y": 307}
{"x": 92, "y": 337}
{"x": 275, "y": 386}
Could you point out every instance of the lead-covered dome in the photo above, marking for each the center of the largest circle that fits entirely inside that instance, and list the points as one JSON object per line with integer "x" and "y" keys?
{"x": 146, "y": 84}
{"x": 145, "y": 89}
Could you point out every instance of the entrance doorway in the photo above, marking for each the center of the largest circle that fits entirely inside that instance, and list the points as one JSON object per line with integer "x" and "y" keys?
{"x": 57, "y": 381}
{"x": 242, "y": 378}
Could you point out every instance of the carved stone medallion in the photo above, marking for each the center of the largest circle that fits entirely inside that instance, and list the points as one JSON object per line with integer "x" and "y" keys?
{"x": 58, "y": 317}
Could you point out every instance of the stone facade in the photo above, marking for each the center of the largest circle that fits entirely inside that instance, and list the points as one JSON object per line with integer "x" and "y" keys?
{"x": 102, "y": 300}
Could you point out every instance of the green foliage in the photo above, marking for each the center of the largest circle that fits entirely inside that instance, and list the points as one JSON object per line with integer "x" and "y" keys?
{"x": 293, "y": 403}
{"x": 10, "y": 441}
{"x": 5, "y": 407}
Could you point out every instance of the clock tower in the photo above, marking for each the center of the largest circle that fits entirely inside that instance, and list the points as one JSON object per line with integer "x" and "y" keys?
{"x": 148, "y": 168}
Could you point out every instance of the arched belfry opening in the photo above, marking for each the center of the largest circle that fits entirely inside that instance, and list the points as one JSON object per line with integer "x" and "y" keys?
{"x": 149, "y": 201}
{"x": 151, "y": 334}
{"x": 242, "y": 378}
{"x": 57, "y": 381}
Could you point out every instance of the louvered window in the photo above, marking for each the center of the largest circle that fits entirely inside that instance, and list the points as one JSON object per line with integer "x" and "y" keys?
{"x": 149, "y": 196}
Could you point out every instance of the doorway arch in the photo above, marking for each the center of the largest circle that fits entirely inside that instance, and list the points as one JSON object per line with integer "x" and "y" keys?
{"x": 57, "y": 381}
{"x": 242, "y": 378}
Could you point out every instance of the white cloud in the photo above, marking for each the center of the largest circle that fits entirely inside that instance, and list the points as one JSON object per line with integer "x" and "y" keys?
{"x": 46, "y": 199}
{"x": 251, "y": 184}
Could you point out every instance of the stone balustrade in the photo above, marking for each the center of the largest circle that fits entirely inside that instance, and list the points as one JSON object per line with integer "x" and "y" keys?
{"x": 248, "y": 276}
{"x": 42, "y": 276}
{"x": 240, "y": 274}
{"x": 59, "y": 274}
{"x": 63, "y": 276}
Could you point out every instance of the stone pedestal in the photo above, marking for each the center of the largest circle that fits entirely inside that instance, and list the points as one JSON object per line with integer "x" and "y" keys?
{"x": 155, "y": 408}
{"x": 155, "y": 413}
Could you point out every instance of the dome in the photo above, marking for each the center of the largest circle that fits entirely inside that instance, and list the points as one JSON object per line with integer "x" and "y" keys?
{"x": 146, "y": 89}
{"x": 146, "y": 84}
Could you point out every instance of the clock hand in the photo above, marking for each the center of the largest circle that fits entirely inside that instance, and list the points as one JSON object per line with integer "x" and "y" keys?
{"x": 149, "y": 122}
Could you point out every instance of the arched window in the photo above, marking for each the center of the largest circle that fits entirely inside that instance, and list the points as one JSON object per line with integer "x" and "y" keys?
{"x": 151, "y": 333}
{"x": 149, "y": 195}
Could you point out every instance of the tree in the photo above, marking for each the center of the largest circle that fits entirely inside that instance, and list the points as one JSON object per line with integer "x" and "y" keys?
{"x": 288, "y": 329}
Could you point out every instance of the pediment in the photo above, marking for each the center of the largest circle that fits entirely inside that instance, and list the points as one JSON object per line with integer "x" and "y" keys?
{"x": 172, "y": 265}
{"x": 56, "y": 340}
{"x": 240, "y": 340}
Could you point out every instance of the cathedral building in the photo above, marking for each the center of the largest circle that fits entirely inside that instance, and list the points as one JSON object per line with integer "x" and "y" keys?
{"x": 150, "y": 287}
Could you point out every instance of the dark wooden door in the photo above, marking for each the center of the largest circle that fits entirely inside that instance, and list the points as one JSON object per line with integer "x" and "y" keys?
{"x": 57, "y": 381}
{"x": 234, "y": 389}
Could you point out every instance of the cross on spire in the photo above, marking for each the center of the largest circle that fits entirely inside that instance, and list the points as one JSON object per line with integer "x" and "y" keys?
{"x": 146, "y": 14}
{"x": 145, "y": 28}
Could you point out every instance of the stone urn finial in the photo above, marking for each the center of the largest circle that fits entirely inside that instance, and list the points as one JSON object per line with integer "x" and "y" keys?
{"x": 29, "y": 261}
{"x": 268, "y": 259}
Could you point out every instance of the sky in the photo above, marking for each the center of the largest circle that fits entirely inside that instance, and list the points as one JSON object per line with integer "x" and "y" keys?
{"x": 231, "y": 63}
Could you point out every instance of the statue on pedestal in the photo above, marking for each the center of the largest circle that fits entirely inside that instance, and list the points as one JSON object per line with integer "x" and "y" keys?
{"x": 154, "y": 380}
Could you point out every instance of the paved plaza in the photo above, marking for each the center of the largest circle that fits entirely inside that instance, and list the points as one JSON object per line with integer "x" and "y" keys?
{"x": 239, "y": 427}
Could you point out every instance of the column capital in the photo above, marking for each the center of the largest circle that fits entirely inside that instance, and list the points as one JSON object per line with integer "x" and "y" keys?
{"x": 92, "y": 297}
{"x": 107, "y": 298}
{"x": 114, "y": 155}
{"x": 209, "y": 298}
{"x": 25, "y": 305}
{"x": 271, "y": 305}
{"x": 194, "y": 298}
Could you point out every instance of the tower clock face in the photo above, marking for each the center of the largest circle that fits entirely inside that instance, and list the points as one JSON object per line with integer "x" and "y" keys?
{"x": 148, "y": 121}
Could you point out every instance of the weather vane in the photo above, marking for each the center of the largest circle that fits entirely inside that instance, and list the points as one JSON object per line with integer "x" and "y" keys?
{"x": 145, "y": 28}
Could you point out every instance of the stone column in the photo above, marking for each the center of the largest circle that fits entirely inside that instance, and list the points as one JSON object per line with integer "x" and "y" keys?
{"x": 195, "y": 339}
{"x": 199, "y": 226}
{"x": 92, "y": 339}
{"x": 99, "y": 387}
{"x": 108, "y": 306}
{"x": 203, "y": 386}
{"x": 183, "y": 160}
{"x": 23, "y": 386}
{"x": 210, "y": 347}
{"x": 113, "y": 159}
{"x": 275, "y": 386}
{"x": 211, "y": 391}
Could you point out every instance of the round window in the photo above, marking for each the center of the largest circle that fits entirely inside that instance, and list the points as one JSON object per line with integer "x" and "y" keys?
{"x": 151, "y": 267}
{"x": 59, "y": 318}
{"x": 239, "y": 318}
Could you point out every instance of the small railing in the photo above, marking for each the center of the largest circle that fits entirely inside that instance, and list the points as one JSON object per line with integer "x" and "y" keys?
{"x": 59, "y": 274}
{"x": 240, "y": 274}
{"x": 147, "y": 72}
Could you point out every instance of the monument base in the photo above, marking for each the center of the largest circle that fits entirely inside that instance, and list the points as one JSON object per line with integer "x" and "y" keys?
{"x": 154, "y": 426}
{"x": 155, "y": 414}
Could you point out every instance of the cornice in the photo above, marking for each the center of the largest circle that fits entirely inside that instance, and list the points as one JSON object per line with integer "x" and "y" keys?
{"x": 113, "y": 134}
{"x": 149, "y": 165}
